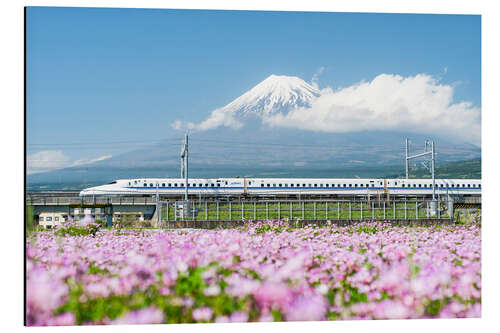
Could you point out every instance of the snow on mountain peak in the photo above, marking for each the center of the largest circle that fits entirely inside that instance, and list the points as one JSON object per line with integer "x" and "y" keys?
{"x": 277, "y": 93}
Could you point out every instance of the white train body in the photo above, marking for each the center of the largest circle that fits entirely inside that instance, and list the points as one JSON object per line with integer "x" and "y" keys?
{"x": 284, "y": 187}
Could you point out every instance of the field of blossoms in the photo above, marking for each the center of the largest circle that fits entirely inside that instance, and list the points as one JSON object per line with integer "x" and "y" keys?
{"x": 264, "y": 271}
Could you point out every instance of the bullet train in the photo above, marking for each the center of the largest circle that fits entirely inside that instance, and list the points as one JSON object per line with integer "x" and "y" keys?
{"x": 284, "y": 187}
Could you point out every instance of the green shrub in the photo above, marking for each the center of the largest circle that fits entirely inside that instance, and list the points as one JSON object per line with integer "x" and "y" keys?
{"x": 73, "y": 230}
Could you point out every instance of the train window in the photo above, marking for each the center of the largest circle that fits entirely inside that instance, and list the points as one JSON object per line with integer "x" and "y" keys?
{"x": 261, "y": 185}
{"x": 249, "y": 183}
{"x": 350, "y": 185}
{"x": 212, "y": 185}
{"x": 315, "y": 185}
{"x": 309, "y": 185}
{"x": 274, "y": 185}
{"x": 291, "y": 185}
{"x": 395, "y": 183}
{"x": 303, "y": 185}
{"x": 279, "y": 185}
{"x": 419, "y": 185}
{"x": 402, "y": 185}
{"x": 345, "y": 185}
{"x": 169, "y": 184}
{"x": 135, "y": 181}
{"x": 48, "y": 218}
{"x": 206, "y": 185}
{"x": 452, "y": 185}
{"x": 129, "y": 183}
{"x": 327, "y": 185}
{"x": 286, "y": 185}
{"x": 468, "y": 185}
{"x": 226, "y": 182}
{"x": 268, "y": 185}
{"x": 163, "y": 184}
{"x": 218, "y": 185}
{"x": 41, "y": 218}
{"x": 479, "y": 185}
{"x": 151, "y": 184}
{"x": 175, "y": 184}
{"x": 145, "y": 184}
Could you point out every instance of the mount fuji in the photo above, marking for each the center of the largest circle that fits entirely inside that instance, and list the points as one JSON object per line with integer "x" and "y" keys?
{"x": 274, "y": 94}
{"x": 236, "y": 140}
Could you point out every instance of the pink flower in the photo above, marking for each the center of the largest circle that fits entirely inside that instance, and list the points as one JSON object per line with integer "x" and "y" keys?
{"x": 389, "y": 309}
{"x": 202, "y": 314}
{"x": 239, "y": 317}
{"x": 275, "y": 295}
{"x": 150, "y": 315}
{"x": 304, "y": 308}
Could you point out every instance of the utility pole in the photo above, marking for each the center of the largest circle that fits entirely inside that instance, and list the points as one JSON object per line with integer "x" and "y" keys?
{"x": 433, "y": 178}
{"x": 425, "y": 153}
{"x": 407, "y": 159}
{"x": 430, "y": 168}
{"x": 184, "y": 164}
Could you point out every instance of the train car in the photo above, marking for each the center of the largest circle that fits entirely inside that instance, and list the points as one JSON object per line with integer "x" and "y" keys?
{"x": 256, "y": 187}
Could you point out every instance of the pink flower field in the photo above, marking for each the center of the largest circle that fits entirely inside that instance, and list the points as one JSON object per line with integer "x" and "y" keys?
{"x": 265, "y": 271}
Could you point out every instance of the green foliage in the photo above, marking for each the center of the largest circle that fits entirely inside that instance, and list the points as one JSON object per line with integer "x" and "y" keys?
{"x": 355, "y": 295}
{"x": 101, "y": 223}
{"x": 96, "y": 269}
{"x": 366, "y": 229}
{"x": 90, "y": 229}
{"x": 30, "y": 219}
{"x": 189, "y": 285}
{"x": 434, "y": 307}
{"x": 268, "y": 227}
{"x": 277, "y": 316}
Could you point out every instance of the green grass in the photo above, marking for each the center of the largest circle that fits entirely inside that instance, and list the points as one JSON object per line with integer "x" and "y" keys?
{"x": 287, "y": 210}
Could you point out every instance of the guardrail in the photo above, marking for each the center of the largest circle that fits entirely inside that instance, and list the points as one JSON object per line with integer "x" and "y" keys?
{"x": 50, "y": 201}
{"x": 210, "y": 224}
{"x": 308, "y": 210}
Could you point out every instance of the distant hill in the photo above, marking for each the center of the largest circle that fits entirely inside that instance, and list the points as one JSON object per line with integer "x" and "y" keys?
{"x": 455, "y": 170}
{"x": 462, "y": 169}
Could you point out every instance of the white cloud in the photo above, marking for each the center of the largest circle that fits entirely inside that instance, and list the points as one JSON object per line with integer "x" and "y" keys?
{"x": 218, "y": 117}
{"x": 389, "y": 102}
{"x": 315, "y": 78}
{"x": 49, "y": 160}
{"x": 87, "y": 161}
{"x": 414, "y": 104}
{"x": 46, "y": 160}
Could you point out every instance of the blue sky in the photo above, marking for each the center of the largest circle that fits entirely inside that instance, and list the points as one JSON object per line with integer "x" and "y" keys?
{"x": 114, "y": 75}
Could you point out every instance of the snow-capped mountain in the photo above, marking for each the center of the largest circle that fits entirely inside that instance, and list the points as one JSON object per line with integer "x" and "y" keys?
{"x": 277, "y": 93}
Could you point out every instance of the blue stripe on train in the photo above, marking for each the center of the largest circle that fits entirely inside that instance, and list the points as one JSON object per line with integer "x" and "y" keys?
{"x": 305, "y": 188}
